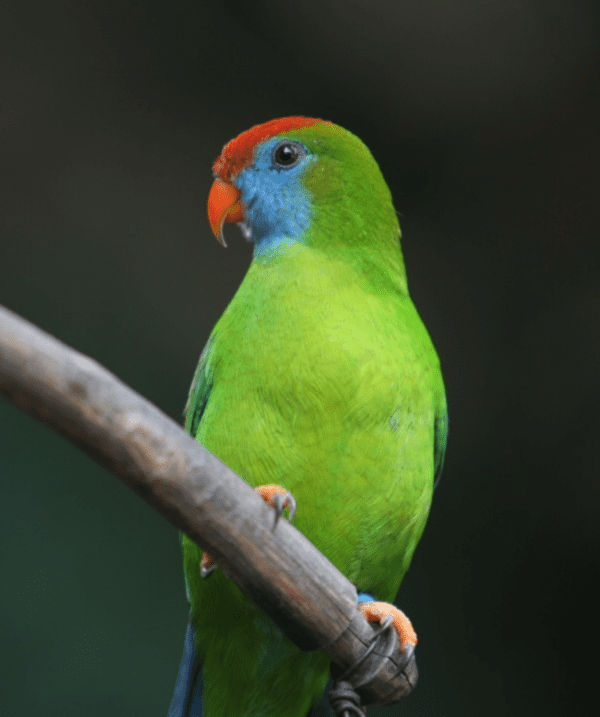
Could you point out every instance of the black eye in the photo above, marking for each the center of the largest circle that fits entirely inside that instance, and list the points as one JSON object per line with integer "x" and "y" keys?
{"x": 287, "y": 154}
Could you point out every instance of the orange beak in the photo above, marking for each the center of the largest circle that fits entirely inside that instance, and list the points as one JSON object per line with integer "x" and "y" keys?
{"x": 223, "y": 206}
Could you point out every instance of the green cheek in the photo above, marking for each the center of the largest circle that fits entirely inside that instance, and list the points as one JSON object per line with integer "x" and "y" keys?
{"x": 322, "y": 180}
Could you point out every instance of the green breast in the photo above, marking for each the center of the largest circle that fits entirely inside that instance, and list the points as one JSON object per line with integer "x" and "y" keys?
{"x": 327, "y": 386}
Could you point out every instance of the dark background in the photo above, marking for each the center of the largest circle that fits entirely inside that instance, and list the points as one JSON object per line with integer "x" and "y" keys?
{"x": 484, "y": 118}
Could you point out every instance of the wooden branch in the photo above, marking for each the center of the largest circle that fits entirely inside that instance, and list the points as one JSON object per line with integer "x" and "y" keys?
{"x": 303, "y": 593}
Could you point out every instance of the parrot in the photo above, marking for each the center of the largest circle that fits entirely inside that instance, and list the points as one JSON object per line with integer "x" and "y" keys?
{"x": 320, "y": 387}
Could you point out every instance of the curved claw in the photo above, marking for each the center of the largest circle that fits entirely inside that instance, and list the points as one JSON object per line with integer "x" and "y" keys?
{"x": 276, "y": 496}
{"x": 279, "y": 498}
{"x": 281, "y": 501}
{"x": 385, "y": 613}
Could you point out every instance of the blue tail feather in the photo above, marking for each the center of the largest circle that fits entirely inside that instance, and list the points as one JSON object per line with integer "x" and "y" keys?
{"x": 187, "y": 697}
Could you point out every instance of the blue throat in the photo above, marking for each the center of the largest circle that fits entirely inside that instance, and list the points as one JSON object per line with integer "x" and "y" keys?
{"x": 277, "y": 205}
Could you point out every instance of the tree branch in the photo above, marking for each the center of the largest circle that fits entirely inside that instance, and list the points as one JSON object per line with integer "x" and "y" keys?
{"x": 302, "y": 592}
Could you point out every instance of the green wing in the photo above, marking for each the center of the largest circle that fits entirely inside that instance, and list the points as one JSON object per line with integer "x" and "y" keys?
{"x": 440, "y": 440}
{"x": 199, "y": 392}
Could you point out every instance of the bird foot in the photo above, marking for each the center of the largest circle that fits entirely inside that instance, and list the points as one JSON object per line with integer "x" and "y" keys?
{"x": 276, "y": 496}
{"x": 207, "y": 566}
{"x": 379, "y": 611}
{"x": 279, "y": 498}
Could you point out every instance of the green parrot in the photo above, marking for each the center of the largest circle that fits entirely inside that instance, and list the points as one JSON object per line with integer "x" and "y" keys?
{"x": 319, "y": 383}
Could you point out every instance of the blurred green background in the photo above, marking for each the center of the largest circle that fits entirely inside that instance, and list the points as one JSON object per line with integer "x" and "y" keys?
{"x": 484, "y": 119}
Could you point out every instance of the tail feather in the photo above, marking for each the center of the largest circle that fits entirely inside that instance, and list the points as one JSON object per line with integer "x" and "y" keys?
{"x": 187, "y": 697}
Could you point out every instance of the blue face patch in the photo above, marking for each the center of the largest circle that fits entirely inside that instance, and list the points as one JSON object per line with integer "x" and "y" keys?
{"x": 277, "y": 205}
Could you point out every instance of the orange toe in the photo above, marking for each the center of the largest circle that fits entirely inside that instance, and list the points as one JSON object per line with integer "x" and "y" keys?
{"x": 268, "y": 492}
{"x": 207, "y": 565}
{"x": 278, "y": 497}
{"x": 377, "y": 611}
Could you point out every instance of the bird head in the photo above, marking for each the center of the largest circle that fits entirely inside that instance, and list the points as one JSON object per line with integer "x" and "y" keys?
{"x": 300, "y": 179}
